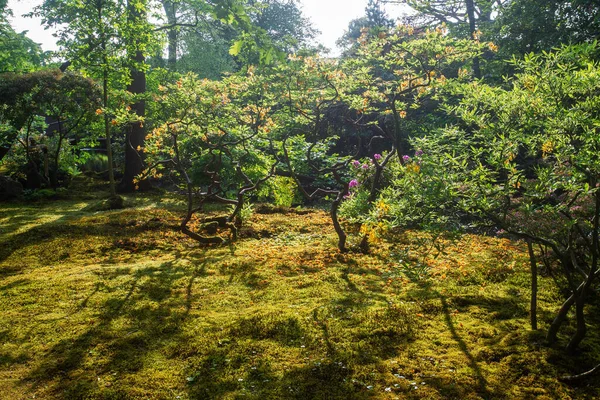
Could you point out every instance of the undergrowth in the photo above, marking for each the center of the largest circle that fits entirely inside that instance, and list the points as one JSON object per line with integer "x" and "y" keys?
{"x": 118, "y": 305}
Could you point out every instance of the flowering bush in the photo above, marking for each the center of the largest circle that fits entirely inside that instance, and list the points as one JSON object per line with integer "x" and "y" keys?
{"x": 217, "y": 139}
{"x": 528, "y": 163}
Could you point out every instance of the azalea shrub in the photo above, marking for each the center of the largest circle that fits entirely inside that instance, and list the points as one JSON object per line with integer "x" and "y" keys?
{"x": 394, "y": 79}
{"x": 226, "y": 141}
{"x": 216, "y": 142}
{"x": 397, "y": 73}
{"x": 308, "y": 88}
{"x": 525, "y": 160}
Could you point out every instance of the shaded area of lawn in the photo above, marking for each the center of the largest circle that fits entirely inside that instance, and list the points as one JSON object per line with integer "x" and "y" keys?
{"x": 118, "y": 304}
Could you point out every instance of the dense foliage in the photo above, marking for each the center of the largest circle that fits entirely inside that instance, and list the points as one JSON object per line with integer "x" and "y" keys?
{"x": 525, "y": 160}
{"x": 46, "y": 115}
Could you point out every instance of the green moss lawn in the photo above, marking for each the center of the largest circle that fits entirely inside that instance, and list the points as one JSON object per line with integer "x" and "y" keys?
{"x": 119, "y": 305}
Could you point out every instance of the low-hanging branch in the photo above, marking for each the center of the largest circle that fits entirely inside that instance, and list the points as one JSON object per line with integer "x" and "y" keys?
{"x": 578, "y": 377}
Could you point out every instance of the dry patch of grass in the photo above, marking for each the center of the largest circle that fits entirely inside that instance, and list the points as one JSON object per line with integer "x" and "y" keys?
{"x": 118, "y": 304}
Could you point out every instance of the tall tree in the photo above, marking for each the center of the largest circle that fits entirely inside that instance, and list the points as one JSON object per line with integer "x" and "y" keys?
{"x": 525, "y": 26}
{"x": 464, "y": 18}
{"x": 374, "y": 22}
{"x": 94, "y": 37}
{"x": 135, "y": 134}
{"x": 210, "y": 38}
{"x": 284, "y": 23}
{"x": 18, "y": 53}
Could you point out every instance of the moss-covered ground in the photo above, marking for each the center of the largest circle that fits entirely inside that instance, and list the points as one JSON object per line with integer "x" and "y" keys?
{"x": 118, "y": 305}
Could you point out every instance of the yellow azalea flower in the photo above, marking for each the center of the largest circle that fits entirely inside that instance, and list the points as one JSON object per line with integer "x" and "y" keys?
{"x": 547, "y": 147}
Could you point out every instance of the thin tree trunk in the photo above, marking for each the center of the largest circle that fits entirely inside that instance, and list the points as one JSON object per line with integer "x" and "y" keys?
{"x": 172, "y": 34}
{"x": 54, "y": 177}
{"x": 190, "y": 203}
{"x": 472, "y": 29}
{"x": 336, "y": 223}
{"x": 581, "y": 327}
{"x": 111, "y": 172}
{"x": 533, "y": 306}
{"x": 561, "y": 316}
{"x": 580, "y": 299}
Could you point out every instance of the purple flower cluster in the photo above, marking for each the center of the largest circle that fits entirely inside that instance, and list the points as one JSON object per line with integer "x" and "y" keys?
{"x": 357, "y": 164}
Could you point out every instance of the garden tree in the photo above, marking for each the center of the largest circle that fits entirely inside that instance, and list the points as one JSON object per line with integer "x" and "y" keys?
{"x": 459, "y": 15}
{"x": 526, "y": 161}
{"x": 284, "y": 23}
{"x": 216, "y": 142}
{"x": 20, "y": 123}
{"x": 204, "y": 41}
{"x": 18, "y": 53}
{"x": 135, "y": 133}
{"x": 464, "y": 18}
{"x": 392, "y": 77}
{"x": 96, "y": 37}
{"x": 525, "y": 26}
{"x": 253, "y": 41}
{"x": 205, "y": 50}
{"x": 216, "y": 37}
{"x": 392, "y": 74}
{"x": 27, "y": 100}
{"x": 271, "y": 30}
{"x": 183, "y": 17}
{"x": 307, "y": 87}
{"x": 373, "y": 23}
{"x": 186, "y": 16}
{"x": 254, "y": 45}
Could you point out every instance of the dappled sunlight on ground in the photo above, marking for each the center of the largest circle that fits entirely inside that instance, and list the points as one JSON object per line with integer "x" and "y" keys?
{"x": 119, "y": 304}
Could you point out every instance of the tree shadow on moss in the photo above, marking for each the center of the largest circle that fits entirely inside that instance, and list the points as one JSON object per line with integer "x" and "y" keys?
{"x": 481, "y": 380}
{"x": 115, "y": 236}
{"x": 499, "y": 340}
{"x": 218, "y": 376}
{"x": 126, "y": 328}
{"x": 332, "y": 340}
